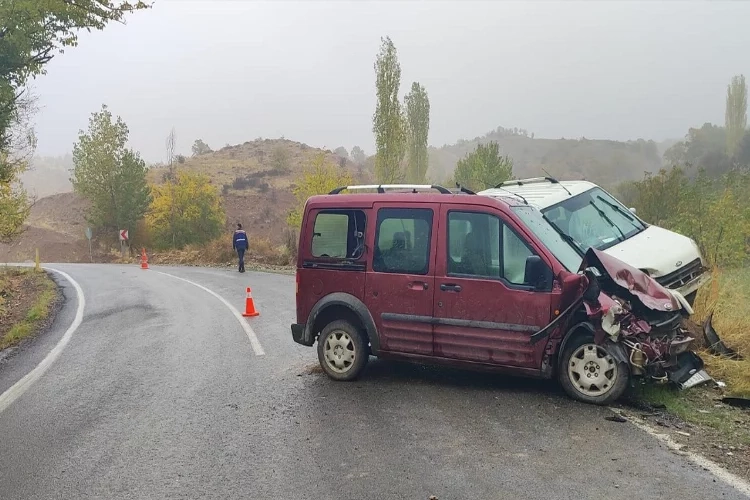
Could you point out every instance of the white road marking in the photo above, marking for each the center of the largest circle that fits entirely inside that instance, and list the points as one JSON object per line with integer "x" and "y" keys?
{"x": 254, "y": 342}
{"x": 711, "y": 466}
{"x": 17, "y": 389}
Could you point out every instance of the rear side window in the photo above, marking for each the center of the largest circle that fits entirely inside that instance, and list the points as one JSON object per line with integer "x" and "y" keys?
{"x": 338, "y": 234}
{"x": 402, "y": 241}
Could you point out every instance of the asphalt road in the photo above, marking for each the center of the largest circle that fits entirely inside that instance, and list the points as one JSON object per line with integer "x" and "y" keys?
{"x": 160, "y": 394}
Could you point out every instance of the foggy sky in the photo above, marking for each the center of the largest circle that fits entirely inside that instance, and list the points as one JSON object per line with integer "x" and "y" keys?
{"x": 232, "y": 71}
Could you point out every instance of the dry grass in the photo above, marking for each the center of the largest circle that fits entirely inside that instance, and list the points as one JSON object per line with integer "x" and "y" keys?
{"x": 728, "y": 295}
{"x": 219, "y": 252}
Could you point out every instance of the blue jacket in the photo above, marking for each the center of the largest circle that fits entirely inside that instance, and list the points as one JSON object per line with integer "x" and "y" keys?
{"x": 240, "y": 240}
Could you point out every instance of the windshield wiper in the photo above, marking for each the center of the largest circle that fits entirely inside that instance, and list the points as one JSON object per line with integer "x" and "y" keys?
{"x": 604, "y": 216}
{"x": 621, "y": 212}
{"x": 564, "y": 235}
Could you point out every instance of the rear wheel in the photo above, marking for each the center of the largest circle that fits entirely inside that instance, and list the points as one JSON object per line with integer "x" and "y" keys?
{"x": 591, "y": 373}
{"x": 342, "y": 350}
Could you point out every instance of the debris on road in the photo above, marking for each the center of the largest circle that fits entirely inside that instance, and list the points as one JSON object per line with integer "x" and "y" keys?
{"x": 616, "y": 418}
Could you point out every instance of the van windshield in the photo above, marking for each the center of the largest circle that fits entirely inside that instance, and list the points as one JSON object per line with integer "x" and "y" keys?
{"x": 594, "y": 219}
{"x": 555, "y": 243}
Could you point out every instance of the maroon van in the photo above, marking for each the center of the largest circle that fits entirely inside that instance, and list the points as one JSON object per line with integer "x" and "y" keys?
{"x": 438, "y": 276}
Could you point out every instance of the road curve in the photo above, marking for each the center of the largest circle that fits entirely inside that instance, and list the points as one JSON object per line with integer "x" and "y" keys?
{"x": 160, "y": 394}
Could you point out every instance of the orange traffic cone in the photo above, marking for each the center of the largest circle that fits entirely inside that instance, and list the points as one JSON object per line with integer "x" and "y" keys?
{"x": 144, "y": 259}
{"x": 250, "y": 305}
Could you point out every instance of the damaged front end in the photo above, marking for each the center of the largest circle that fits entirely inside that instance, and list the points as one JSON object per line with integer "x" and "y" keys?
{"x": 642, "y": 319}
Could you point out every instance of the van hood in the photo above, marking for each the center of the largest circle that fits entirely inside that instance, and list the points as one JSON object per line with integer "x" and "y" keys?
{"x": 656, "y": 250}
{"x": 645, "y": 288}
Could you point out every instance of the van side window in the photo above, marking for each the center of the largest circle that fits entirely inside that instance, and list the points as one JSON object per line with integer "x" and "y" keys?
{"x": 515, "y": 252}
{"x": 338, "y": 234}
{"x": 402, "y": 241}
{"x": 480, "y": 245}
{"x": 473, "y": 244}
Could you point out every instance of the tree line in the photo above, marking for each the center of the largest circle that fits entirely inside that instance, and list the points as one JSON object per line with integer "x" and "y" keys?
{"x": 184, "y": 209}
{"x": 704, "y": 189}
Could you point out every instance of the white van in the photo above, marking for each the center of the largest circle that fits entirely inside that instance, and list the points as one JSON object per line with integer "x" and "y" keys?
{"x": 588, "y": 216}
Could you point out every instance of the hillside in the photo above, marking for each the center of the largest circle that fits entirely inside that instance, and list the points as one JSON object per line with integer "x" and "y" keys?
{"x": 48, "y": 175}
{"x": 256, "y": 166}
{"x": 601, "y": 161}
{"x": 256, "y": 180}
{"x": 56, "y": 227}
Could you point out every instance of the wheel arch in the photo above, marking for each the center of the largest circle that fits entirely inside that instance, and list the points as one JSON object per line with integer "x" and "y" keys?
{"x": 585, "y": 327}
{"x": 342, "y": 305}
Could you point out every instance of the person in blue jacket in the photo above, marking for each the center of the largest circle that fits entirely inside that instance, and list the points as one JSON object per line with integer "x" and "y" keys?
{"x": 240, "y": 244}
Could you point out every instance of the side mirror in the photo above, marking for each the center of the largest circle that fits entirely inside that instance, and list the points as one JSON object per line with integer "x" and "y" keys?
{"x": 632, "y": 209}
{"x": 537, "y": 273}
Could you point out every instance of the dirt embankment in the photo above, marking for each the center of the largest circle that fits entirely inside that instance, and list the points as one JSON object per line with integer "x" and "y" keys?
{"x": 27, "y": 301}
{"x": 56, "y": 227}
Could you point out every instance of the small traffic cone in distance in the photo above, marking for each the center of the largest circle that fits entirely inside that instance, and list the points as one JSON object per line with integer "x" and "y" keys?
{"x": 250, "y": 305}
{"x": 144, "y": 259}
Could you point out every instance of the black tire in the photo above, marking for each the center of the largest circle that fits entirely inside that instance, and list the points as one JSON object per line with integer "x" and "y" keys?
{"x": 612, "y": 375}
{"x": 345, "y": 341}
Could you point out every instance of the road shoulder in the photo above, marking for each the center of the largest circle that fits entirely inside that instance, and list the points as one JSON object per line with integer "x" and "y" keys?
{"x": 29, "y": 301}
{"x": 19, "y": 359}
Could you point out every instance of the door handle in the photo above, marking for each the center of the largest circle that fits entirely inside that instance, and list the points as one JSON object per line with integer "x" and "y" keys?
{"x": 450, "y": 287}
{"x": 417, "y": 285}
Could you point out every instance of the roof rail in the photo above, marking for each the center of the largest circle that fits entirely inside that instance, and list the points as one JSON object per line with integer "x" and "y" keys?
{"x": 464, "y": 190}
{"x": 382, "y": 187}
{"x": 531, "y": 180}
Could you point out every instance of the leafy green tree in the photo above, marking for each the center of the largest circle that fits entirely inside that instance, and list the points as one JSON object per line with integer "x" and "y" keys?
{"x": 280, "y": 161}
{"x": 358, "y": 156}
{"x": 20, "y": 143}
{"x": 714, "y": 211}
{"x": 186, "y": 211}
{"x": 703, "y": 148}
{"x": 200, "y": 148}
{"x": 319, "y": 176}
{"x": 388, "y": 123}
{"x": 483, "y": 168}
{"x": 736, "y": 113}
{"x": 743, "y": 152}
{"x": 341, "y": 151}
{"x": 418, "y": 128}
{"x": 111, "y": 176}
{"x": 31, "y": 33}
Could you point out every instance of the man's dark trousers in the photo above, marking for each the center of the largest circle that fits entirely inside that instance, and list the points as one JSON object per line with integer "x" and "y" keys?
{"x": 241, "y": 255}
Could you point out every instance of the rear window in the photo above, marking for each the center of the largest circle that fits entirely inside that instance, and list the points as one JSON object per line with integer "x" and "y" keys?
{"x": 338, "y": 234}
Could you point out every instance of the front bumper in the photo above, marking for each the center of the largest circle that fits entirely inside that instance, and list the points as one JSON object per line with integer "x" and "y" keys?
{"x": 694, "y": 284}
{"x": 300, "y": 335}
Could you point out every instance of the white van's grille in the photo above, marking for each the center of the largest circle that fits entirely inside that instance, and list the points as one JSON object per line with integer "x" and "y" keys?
{"x": 682, "y": 276}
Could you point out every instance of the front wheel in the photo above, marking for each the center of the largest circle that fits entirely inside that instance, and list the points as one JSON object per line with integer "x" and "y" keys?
{"x": 342, "y": 350}
{"x": 591, "y": 373}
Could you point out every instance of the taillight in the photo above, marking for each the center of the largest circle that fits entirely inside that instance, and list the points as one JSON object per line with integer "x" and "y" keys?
{"x": 296, "y": 279}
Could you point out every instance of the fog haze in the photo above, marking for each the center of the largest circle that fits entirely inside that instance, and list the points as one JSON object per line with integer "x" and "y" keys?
{"x": 229, "y": 72}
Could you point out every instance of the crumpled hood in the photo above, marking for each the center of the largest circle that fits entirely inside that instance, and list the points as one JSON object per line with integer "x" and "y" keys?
{"x": 648, "y": 290}
{"x": 656, "y": 249}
